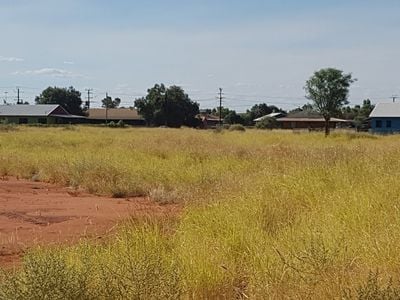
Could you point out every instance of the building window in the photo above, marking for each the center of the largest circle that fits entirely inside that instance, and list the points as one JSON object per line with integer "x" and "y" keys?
{"x": 378, "y": 124}
{"x": 23, "y": 120}
{"x": 389, "y": 124}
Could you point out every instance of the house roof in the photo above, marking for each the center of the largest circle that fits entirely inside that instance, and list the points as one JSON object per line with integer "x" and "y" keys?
{"x": 39, "y": 110}
{"x": 291, "y": 119}
{"x": 113, "y": 114}
{"x": 308, "y": 114}
{"x": 386, "y": 110}
{"x": 271, "y": 115}
{"x": 208, "y": 117}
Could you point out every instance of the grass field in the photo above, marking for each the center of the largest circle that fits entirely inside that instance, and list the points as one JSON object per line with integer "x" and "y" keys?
{"x": 267, "y": 214}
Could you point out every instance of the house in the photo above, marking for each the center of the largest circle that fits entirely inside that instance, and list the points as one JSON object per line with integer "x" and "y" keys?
{"x": 309, "y": 120}
{"x": 208, "y": 121}
{"x": 127, "y": 115}
{"x": 385, "y": 118}
{"x": 274, "y": 115}
{"x": 37, "y": 114}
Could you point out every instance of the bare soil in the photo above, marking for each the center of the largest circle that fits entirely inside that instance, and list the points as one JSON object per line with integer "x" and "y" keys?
{"x": 35, "y": 213}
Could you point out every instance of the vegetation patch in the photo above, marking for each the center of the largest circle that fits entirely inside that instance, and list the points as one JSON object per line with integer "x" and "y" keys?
{"x": 295, "y": 216}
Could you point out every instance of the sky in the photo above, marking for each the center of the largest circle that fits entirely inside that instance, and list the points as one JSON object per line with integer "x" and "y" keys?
{"x": 257, "y": 51}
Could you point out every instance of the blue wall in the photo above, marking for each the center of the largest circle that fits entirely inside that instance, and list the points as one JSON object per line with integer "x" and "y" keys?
{"x": 387, "y": 125}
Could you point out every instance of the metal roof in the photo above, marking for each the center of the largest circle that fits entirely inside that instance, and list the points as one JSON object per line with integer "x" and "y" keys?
{"x": 289, "y": 119}
{"x": 271, "y": 115}
{"x": 40, "y": 110}
{"x": 386, "y": 110}
{"x": 113, "y": 114}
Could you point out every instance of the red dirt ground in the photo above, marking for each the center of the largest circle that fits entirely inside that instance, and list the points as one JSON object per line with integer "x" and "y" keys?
{"x": 34, "y": 213}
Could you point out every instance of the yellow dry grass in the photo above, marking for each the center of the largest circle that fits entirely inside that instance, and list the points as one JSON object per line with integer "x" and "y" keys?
{"x": 268, "y": 214}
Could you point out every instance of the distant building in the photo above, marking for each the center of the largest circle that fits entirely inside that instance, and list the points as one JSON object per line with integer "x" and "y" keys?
{"x": 208, "y": 121}
{"x": 129, "y": 116}
{"x": 310, "y": 120}
{"x": 37, "y": 114}
{"x": 274, "y": 115}
{"x": 385, "y": 118}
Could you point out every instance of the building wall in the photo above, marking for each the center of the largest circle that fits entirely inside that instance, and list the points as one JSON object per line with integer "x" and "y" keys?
{"x": 30, "y": 120}
{"x": 138, "y": 122}
{"x": 306, "y": 125}
{"x": 385, "y": 125}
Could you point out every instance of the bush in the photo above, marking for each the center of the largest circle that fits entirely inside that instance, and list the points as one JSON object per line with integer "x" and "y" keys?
{"x": 8, "y": 127}
{"x": 119, "y": 124}
{"x": 237, "y": 127}
{"x": 267, "y": 123}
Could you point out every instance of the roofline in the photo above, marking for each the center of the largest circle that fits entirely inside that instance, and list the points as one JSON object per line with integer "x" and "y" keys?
{"x": 311, "y": 120}
{"x": 58, "y": 105}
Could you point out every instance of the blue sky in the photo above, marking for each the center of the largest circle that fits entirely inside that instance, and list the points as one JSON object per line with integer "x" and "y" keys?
{"x": 258, "y": 51}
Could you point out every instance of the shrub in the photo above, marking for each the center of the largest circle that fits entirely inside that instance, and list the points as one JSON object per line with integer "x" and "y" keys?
{"x": 237, "y": 127}
{"x": 121, "y": 124}
{"x": 112, "y": 124}
{"x": 163, "y": 196}
{"x": 267, "y": 123}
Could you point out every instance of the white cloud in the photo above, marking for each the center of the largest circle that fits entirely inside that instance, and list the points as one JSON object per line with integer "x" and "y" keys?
{"x": 11, "y": 59}
{"x": 69, "y": 62}
{"x": 49, "y": 72}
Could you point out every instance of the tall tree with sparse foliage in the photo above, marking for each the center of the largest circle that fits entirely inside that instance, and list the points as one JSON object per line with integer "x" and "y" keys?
{"x": 329, "y": 90}
{"x": 68, "y": 98}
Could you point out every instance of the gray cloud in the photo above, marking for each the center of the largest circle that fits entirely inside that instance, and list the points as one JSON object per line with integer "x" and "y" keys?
{"x": 49, "y": 72}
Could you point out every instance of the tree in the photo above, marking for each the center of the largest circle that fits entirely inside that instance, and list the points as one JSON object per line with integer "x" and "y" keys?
{"x": 328, "y": 89}
{"x": 233, "y": 118}
{"x": 68, "y": 98}
{"x": 171, "y": 107}
{"x": 224, "y": 111}
{"x": 258, "y": 111}
{"x": 359, "y": 114}
{"x": 108, "y": 102}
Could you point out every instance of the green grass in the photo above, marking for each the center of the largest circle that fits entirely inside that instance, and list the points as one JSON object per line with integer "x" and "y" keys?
{"x": 267, "y": 214}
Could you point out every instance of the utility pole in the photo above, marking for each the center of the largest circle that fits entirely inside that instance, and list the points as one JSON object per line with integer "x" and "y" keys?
{"x": 220, "y": 106}
{"x": 19, "y": 100}
{"x": 89, "y": 97}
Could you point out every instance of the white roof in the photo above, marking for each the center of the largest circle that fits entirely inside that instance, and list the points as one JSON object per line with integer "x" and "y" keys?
{"x": 271, "y": 115}
{"x": 386, "y": 110}
{"x": 27, "y": 110}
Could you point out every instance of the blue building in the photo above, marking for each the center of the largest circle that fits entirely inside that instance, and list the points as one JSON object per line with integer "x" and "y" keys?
{"x": 385, "y": 118}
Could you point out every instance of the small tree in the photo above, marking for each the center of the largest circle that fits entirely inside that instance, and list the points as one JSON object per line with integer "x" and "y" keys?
{"x": 233, "y": 118}
{"x": 108, "y": 102}
{"x": 329, "y": 90}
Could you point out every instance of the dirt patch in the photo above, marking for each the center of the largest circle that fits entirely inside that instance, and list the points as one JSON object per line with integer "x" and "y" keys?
{"x": 34, "y": 213}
